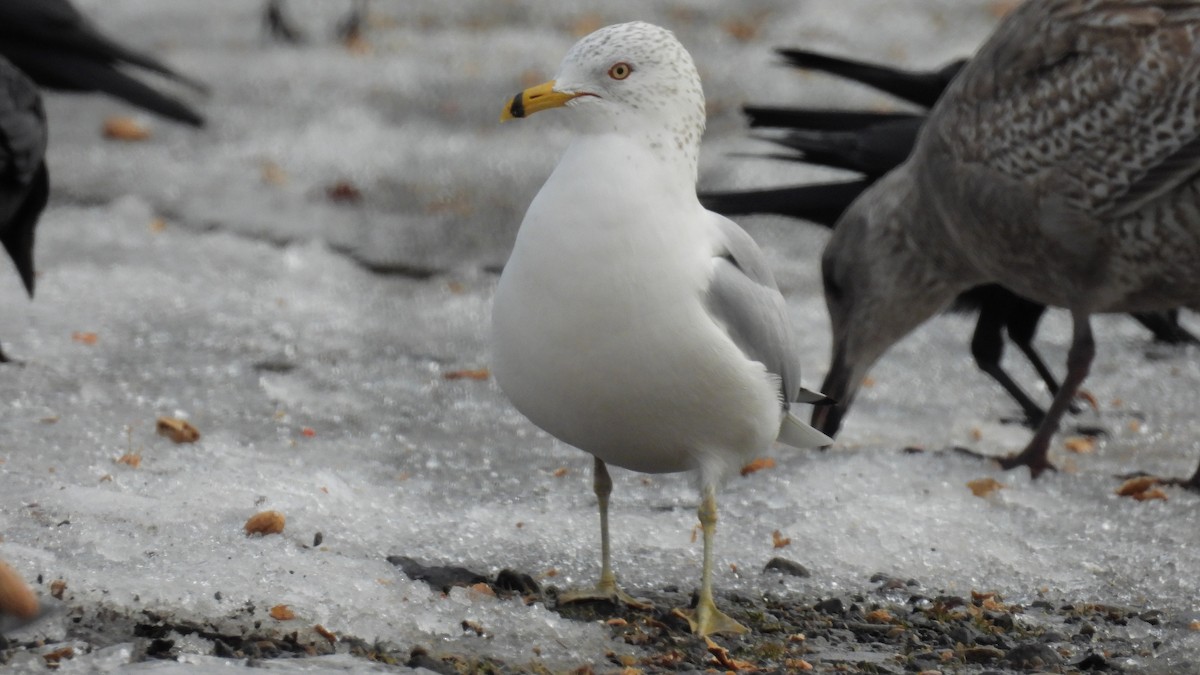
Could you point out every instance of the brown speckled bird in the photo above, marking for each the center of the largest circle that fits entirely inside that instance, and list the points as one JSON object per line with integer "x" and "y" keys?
{"x": 1063, "y": 164}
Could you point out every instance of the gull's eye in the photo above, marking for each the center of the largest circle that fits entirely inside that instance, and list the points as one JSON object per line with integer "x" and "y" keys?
{"x": 620, "y": 71}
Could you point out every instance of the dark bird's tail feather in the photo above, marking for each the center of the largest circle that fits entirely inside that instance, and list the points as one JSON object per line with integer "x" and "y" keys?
{"x": 822, "y": 204}
{"x": 819, "y": 119}
{"x": 923, "y": 88}
{"x": 76, "y": 73}
{"x": 59, "y": 48}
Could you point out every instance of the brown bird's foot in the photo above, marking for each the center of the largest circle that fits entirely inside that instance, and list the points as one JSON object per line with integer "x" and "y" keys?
{"x": 1036, "y": 462}
{"x": 1142, "y": 485}
{"x": 1031, "y": 457}
{"x": 1190, "y": 484}
{"x": 1032, "y": 423}
{"x": 968, "y": 452}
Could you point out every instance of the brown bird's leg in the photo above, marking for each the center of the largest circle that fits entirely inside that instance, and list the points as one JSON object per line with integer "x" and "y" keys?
{"x": 1079, "y": 361}
{"x": 279, "y": 25}
{"x": 350, "y": 27}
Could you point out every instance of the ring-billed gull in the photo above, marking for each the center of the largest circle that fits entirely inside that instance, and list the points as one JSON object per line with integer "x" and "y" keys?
{"x": 24, "y": 180}
{"x": 1062, "y": 163}
{"x": 630, "y": 322}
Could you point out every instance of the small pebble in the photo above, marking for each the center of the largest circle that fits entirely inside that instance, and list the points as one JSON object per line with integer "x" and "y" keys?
{"x": 1092, "y": 661}
{"x": 1001, "y": 619}
{"x": 830, "y": 606}
{"x": 1033, "y": 655}
{"x": 787, "y": 567}
{"x": 520, "y": 582}
{"x": 982, "y": 654}
{"x": 964, "y": 635}
{"x": 949, "y": 601}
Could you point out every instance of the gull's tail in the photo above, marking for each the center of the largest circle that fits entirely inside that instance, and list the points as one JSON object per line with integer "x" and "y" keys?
{"x": 795, "y": 432}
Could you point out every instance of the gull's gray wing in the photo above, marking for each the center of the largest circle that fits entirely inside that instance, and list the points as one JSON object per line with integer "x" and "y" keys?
{"x": 744, "y": 298}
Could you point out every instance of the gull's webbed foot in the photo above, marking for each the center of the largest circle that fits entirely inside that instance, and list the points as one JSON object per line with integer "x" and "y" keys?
{"x": 706, "y": 619}
{"x": 605, "y": 591}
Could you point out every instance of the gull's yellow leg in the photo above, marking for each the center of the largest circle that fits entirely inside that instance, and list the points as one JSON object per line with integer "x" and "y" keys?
{"x": 706, "y": 619}
{"x": 606, "y": 589}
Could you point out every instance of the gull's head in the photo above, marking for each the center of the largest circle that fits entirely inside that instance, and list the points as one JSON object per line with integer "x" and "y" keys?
{"x": 878, "y": 287}
{"x": 629, "y": 76}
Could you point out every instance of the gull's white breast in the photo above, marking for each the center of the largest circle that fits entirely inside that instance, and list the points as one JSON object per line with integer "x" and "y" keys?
{"x": 600, "y": 330}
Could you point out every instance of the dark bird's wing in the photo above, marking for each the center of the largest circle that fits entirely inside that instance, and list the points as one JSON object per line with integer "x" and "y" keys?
{"x": 24, "y": 183}
{"x": 60, "y": 49}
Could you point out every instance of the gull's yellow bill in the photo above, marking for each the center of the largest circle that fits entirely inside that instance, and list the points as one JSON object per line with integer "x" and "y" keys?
{"x": 535, "y": 99}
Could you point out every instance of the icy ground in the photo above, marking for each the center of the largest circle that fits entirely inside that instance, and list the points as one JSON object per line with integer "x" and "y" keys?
{"x": 323, "y": 390}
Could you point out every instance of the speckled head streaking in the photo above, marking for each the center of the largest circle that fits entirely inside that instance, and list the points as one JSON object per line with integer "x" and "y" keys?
{"x": 635, "y": 78}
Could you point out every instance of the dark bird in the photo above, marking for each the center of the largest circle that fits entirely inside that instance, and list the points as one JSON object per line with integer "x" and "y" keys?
{"x": 1093, "y": 207}
{"x": 24, "y": 181}
{"x": 873, "y": 144}
{"x": 278, "y": 22}
{"x": 59, "y": 48}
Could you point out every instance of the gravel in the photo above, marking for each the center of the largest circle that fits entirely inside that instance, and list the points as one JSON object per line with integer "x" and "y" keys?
{"x": 890, "y": 625}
